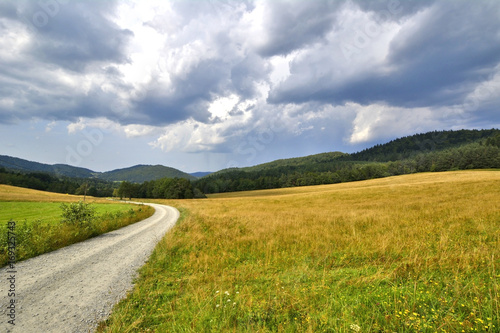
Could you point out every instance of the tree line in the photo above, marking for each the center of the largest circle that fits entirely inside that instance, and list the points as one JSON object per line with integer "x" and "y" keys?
{"x": 164, "y": 188}
{"x": 429, "y": 152}
{"x": 47, "y": 182}
{"x": 479, "y": 155}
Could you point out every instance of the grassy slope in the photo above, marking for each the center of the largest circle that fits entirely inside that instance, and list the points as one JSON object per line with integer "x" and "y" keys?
{"x": 47, "y": 211}
{"x": 21, "y": 204}
{"x": 415, "y": 253}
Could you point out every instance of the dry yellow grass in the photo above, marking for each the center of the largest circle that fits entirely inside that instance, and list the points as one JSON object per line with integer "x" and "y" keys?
{"x": 13, "y": 193}
{"x": 409, "y": 253}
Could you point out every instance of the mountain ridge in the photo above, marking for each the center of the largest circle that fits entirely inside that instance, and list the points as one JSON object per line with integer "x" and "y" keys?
{"x": 395, "y": 150}
{"x": 136, "y": 173}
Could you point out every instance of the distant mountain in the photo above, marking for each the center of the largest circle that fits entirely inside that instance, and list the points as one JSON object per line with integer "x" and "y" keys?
{"x": 142, "y": 173}
{"x": 18, "y": 164}
{"x": 136, "y": 174}
{"x": 200, "y": 174}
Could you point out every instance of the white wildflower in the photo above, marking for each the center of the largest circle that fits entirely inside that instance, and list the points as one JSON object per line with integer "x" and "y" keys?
{"x": 355, "y": 327}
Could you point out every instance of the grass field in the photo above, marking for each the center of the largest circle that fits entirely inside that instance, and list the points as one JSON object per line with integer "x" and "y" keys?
{"x": 47, "y": 211}
{"x": 14, "y": 193}
{"x": 37, "y": 215}
{"x": 415, "y": 253}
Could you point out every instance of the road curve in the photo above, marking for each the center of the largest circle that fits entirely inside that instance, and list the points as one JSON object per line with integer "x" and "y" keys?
{"x": 72, "y": 289}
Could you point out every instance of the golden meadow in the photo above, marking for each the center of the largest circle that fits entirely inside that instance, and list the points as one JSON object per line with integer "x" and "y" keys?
{"x": 414, "y": 253}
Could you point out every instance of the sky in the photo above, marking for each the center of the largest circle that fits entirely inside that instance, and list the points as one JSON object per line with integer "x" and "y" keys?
{"x": 202, "y": 85}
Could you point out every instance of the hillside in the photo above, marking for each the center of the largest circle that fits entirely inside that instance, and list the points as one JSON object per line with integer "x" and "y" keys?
{"x": 142, "y": 173}
{"x": 406, "y": 147}
{"x": 138, "y": 173}
{"x": 18, "y": 164}
{"x": 432, "y": 151}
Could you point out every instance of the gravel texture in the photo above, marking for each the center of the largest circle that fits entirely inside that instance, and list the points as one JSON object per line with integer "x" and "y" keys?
{"x": 72, "y": 289}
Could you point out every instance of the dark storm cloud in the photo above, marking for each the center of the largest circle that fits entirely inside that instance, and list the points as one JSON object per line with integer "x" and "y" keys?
{"x": 246, "y": 73}
{"x": 393, "y": 9}
{"x": 8, "y": 10}
{"x": 221, "y": 48}
{"x": 73, "y": 35}
{"x": 292, "y": 25}
{"x": 66, "y": 41}
{"x": 190, "y": 96}
{"x": 435, "y": 62}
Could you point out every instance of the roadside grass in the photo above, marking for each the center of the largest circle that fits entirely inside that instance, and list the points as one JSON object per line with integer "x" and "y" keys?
{"x": 49, "y": 212}
{"x": 416, "y": 253}
{"x": 38, "y": 227}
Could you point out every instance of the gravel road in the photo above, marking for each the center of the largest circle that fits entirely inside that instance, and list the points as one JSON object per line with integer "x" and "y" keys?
{"x": 72, "y": 289}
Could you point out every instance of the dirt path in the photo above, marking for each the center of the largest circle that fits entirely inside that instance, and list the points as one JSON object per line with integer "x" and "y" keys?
{"x": 72, "y": 289}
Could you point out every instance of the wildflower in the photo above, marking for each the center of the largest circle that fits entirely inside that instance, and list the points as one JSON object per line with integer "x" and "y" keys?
{"x": 227, "y": 293}
{"x": 355, "y": 327}
{"x": 217, "y": 292}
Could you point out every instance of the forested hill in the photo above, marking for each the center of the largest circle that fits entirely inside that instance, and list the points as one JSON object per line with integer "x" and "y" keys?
{"x": 18, "y": 164}
{"x": 409, "y": 146}
{"x": 433, "y": 151}
{"x": 135, "y": 174}
{"x": 297, "y": 162}
{"x": 142, "y": 173}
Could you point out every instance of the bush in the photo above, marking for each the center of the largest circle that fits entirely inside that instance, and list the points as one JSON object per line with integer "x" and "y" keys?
{"x": 79, "y": 214}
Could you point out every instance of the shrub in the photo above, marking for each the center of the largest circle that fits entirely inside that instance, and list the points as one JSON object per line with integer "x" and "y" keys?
{"x": 79, "y": 214}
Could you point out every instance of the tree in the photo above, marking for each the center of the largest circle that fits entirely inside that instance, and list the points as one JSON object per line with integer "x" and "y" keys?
{"x": 126, "y": 189}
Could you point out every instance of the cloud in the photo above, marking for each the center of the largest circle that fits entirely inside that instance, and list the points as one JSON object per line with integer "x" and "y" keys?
{"x": 375, "y": 122}
{"x": 55, "y": 68}
{"x": 432, "y": 59}
{"x": 221, "y": 77}
{"x": 75, "y": 35}
{"x": 293, "y": 25}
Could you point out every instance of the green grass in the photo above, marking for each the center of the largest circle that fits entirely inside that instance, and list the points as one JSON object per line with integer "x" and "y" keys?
{"x": 39, "y": 228}
{"x": 47, "y": 211}
{"x": 417, "y": 253}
